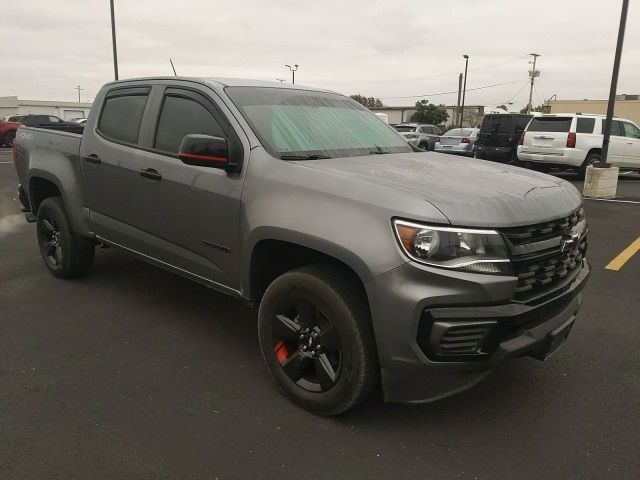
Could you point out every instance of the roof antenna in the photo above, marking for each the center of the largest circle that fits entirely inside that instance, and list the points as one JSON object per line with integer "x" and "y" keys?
{"x": 174, "y": 68}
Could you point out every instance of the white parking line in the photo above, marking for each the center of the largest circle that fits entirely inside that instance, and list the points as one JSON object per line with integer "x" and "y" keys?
{"x": 612, "y": 200}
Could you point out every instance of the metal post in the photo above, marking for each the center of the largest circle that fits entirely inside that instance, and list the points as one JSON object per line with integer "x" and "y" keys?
{"x": 174, "y": 68}
{"x": 78, "y": 88}
{"x": 614, "y": 85}
{"x": 293, "y": 72}
{"x": 533, "y": 77}
{"x": 464, "y": 88}
{"x": 113, "y": 39}
{"x": 457, "y": 114}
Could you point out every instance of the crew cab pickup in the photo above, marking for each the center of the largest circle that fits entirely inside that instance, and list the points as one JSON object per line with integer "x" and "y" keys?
{"x": 370, "y": 263}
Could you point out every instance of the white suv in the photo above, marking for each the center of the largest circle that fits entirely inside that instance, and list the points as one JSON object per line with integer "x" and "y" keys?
{"x": 575, "y": 141}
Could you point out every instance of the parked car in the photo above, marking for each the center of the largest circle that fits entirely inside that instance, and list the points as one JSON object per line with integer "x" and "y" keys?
{"x": 460, "y": 141}
{"x": 421, "y": 135}
{"x": 499, "y": 136}
{"x": 15, "y": 118}
{"x": 8, "y": 132}
{"x": 369, "y": 262}
{"x": 574, "y": 141}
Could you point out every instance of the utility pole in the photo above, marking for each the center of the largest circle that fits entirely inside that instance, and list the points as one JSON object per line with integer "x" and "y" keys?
{"x": 533, "y": 73}
{"x": 293, "y": 72}
{"x": 78, "y": 88}
{"x": 113, "y": 39}
{"x": 457, "y": 114}
{"x": 464, "y": 89}
{"x": 614, "y": 84}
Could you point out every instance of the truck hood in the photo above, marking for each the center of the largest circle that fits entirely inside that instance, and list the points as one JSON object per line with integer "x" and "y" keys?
{"x": 468, "y": 191}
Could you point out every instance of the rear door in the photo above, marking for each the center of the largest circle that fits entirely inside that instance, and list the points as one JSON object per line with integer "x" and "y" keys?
{"x": 194, "y": 211}
{"x": 617, "y": 143}
{"x": 632, "y": 148}
{"x": 117, "y": 195}
{"x": 547, "y": 135}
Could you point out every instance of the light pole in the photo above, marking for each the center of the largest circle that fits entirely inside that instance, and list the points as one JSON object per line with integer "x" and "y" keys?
{"x": 293, "y": 72}
{"x": 464, "y": 88}
{"x": 113, "y": 39}
{"x": 614, "y": 84}
{"x": 79, "y": 89}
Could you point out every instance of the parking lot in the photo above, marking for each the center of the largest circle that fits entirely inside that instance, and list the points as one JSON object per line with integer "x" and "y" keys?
{"x": 135, "y": 372}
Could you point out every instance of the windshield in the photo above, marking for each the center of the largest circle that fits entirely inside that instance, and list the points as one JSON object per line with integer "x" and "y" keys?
{"x": 305, "y": 123}
{"x": 405, "y": 128}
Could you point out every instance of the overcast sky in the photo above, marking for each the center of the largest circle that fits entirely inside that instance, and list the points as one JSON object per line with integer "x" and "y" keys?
{"x": 377, "y": 48}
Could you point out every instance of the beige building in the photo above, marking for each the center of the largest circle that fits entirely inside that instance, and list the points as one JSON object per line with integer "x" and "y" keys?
{"x": 627, "y": 106}
{"x": 66, "y": 110}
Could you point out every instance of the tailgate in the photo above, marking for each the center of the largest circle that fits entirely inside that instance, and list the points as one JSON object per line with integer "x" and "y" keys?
{"x": 547, "y": 134}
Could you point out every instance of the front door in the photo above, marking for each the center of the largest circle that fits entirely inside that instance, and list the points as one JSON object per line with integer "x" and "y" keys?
{"x": 194, "y": 211}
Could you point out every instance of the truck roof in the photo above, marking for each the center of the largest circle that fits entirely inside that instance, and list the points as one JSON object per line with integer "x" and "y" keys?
{"x": 222, "y": 82}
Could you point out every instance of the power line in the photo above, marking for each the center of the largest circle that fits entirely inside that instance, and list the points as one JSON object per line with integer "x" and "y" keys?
{"x": 448, "y": 93}
{"x": 519, "y": 91}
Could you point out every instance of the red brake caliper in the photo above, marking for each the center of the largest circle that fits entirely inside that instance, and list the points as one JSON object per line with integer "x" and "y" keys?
{"x": 281, "y": 351}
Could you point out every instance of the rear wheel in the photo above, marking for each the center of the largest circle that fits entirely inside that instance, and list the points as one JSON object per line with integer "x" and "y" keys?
{"x": 316, "y": 339}
{"x": 8, "y": 138}
{"x": 65, "y": 254}
{"x": 591, "y": 159}
{"x": 424, "y": 146}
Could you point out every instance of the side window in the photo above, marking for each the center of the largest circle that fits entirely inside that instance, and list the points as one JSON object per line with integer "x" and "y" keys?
{"x": 616, "y": 128}
{"x": 630, "y": 130}
{"x": 585, "y": 125}
{"x": 181, "y": 116}
{"x": 53, "y": 120}
{"x": 121, "y": 117}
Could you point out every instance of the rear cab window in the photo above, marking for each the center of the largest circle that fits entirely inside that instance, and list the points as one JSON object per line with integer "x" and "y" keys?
{"x": 122, "y": 114}
{"x": 550, "y": 124}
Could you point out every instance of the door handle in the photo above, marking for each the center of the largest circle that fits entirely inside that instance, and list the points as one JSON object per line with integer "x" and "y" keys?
{"x": 151, "y": 174}
{"x": 93, "y": 158}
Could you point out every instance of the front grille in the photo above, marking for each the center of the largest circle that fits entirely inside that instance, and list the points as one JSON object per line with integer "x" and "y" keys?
{"x": 547, "y": 257}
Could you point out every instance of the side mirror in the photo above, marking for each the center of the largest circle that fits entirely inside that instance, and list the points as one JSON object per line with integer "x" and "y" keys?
{"x": 204, "y": 151}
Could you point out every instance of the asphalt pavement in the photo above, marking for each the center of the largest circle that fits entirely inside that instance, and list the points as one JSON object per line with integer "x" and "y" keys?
{"x": 134, "y": 372}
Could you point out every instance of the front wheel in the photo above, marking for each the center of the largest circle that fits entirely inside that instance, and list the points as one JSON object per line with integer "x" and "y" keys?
{"x": 65, "y": 254}
{"x": 316, "y": 339}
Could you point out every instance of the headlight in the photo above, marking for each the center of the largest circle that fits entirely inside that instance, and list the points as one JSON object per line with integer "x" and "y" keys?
{"x": 472, "y": 250}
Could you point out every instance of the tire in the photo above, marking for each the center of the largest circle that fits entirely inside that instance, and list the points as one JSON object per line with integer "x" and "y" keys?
{"x": 8, "y": 138}
{"x": 64, "y": 253}
{"x": 316, "y": 339}
{"x": 424, "y": 146}
{"x": 590, "y": 160}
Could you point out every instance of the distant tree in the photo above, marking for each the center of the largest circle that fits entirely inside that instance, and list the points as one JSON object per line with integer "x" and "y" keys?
{"x": 539, "y": 108}
{"x": 367, "y": 101}
{"x": 430, "y": 113}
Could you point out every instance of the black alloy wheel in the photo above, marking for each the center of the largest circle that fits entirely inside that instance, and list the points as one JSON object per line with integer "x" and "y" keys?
{"x": 317, "y": 340}
{"x": 307, "y": 346}
{"x": 49, "y": 237}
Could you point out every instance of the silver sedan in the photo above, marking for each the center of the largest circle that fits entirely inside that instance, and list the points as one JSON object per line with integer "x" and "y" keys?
{"x": 461, "y": 141}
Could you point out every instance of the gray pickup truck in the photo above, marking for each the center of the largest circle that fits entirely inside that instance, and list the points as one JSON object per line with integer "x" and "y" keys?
{"x": 371, "y": 264}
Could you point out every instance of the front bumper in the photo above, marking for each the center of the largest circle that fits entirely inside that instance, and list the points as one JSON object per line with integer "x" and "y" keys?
{"x": 408, "y": 302}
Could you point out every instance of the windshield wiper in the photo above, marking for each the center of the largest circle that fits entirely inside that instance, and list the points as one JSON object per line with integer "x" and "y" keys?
{"x": 313, "y": 156}
{"x": 377, "y": 151}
